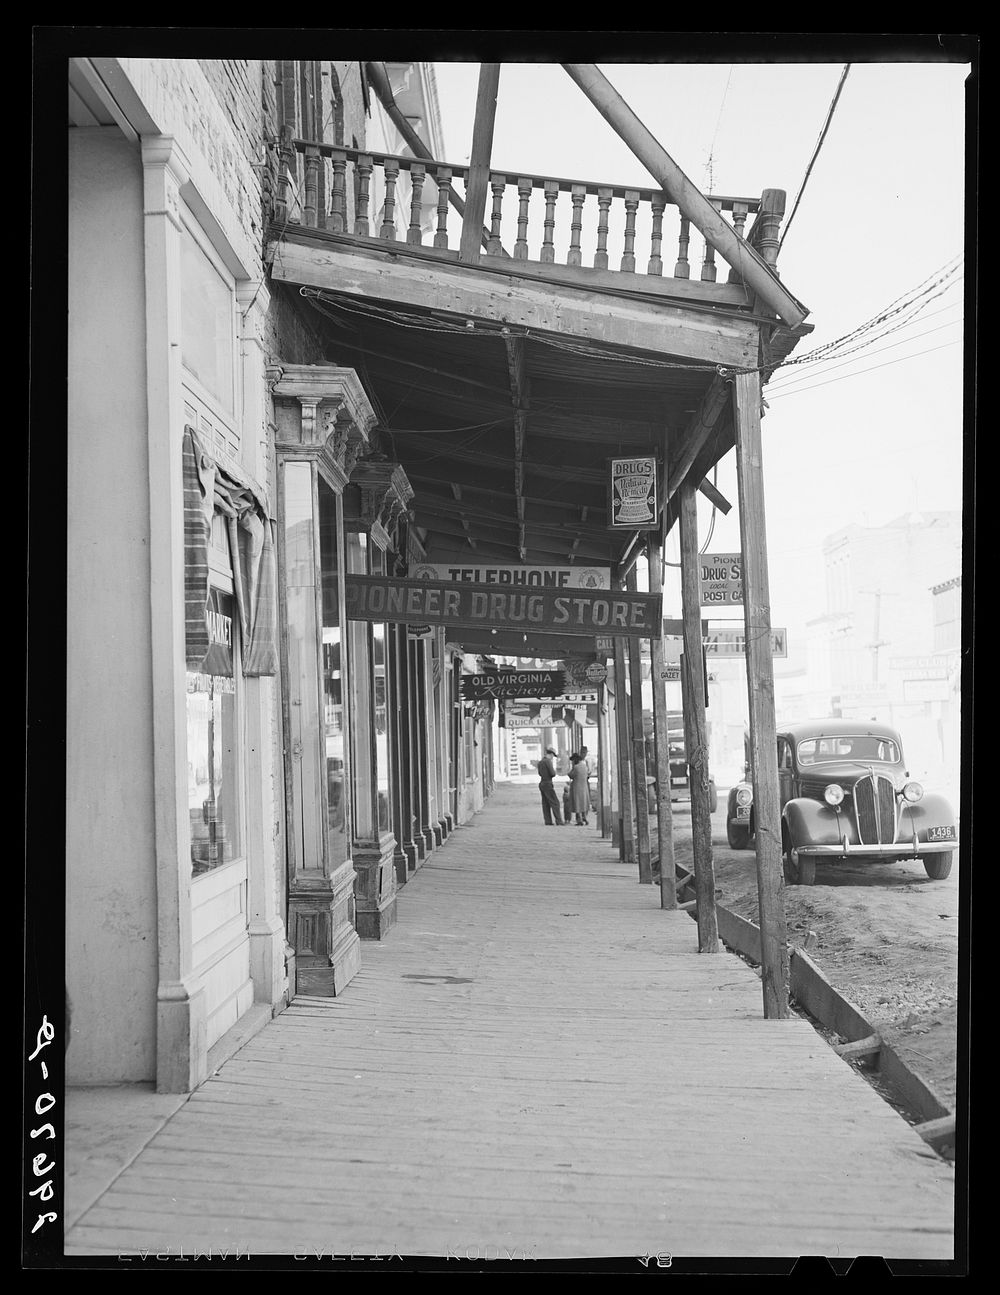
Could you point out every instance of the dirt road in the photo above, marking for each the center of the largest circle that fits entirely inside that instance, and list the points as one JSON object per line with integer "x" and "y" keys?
{"x": 885, "y": 935}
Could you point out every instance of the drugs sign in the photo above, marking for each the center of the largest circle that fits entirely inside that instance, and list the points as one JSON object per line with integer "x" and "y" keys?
{"x": 632, "y": 496}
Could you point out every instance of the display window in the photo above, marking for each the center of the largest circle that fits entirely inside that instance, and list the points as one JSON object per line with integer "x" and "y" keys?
{"x": 380, "y": 670}
{"x": 334, "y": 681}
{"x": 362, "y": 703}
{"x": 213, "y": 742}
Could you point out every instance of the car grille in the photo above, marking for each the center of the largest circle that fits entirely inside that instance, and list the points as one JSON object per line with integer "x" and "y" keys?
{"x": 875, "y": 803}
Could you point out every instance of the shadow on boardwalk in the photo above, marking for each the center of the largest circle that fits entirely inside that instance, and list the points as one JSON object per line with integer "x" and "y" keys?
{"x": 536, "y": 1061}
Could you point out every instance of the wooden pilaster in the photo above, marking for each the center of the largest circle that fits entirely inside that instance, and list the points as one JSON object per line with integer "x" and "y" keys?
{"x": 639, "y": 753}
{"x": 664, "y": 813}
{"x": 695, "y": 726}
{"x": 760, "y": 686}
{"x": 626, "y": 841}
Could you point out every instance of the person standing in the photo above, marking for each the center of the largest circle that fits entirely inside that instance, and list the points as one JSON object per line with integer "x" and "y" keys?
{"x": 579, "y": 795}
{"x": 550, "y": 801}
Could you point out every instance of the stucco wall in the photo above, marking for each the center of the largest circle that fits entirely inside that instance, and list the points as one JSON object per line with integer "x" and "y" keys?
{"x": 111, "y": 951}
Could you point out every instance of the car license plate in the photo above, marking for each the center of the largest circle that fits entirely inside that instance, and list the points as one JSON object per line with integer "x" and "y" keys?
{"x": 743, "y": 811}
{"x": 940, "y": 834}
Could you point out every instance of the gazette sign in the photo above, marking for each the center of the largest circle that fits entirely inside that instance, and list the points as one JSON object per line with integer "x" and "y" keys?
{"x": 576, "y": 612}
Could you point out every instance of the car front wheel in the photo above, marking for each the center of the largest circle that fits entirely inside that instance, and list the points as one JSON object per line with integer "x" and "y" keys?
{"x": 738, "y": 836}
{"x": 938, "y": 866}
{"x": 799, "y": 871}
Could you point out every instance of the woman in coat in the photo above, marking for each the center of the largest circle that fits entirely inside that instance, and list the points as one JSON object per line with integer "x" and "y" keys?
{"x": 579, "y": 796}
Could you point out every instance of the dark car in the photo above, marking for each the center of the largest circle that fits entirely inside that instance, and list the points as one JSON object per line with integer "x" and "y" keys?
{"x": 846, "y": 794}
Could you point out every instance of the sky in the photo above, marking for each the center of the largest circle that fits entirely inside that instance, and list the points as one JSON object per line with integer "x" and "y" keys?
{"x": 882, "y": 211}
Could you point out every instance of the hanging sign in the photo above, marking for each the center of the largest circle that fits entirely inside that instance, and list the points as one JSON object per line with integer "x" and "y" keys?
{"x": 632, "y": 496}
{"x": 721, "y": 579}
{"x": 518, "y": 577}
{"x": 596, "y": 672}
{"x": 731, "y": 643}
{"x": 219, "y": 620}
{"x": 576, "y": 612}
{"x": 513, "y": 683}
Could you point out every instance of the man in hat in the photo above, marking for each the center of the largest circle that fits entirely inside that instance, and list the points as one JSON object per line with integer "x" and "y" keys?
{"x": 550, "y": 801}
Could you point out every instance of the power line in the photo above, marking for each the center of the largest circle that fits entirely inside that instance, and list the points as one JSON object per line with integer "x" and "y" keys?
{"x": 812, "y": 160}
{"x": 844, "y": 376}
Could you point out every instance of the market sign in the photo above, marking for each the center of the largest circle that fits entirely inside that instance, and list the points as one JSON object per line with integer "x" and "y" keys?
{"x": 721, "y": 579}
{"x": 632, "y": 497}
{"x": 518, "y": 577}
{"x": 513, "y": 683}
{"x": 576, "y": 612}
{"x": 732, "y": 643}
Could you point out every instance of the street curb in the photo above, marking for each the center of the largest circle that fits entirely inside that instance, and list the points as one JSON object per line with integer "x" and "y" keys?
{"x": 814, "y": 993}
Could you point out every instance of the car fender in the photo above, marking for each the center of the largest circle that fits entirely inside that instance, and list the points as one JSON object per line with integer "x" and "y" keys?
{"x": 807, "y": 822}
{"x": 731, "y": 799}
{"x": 932, "y": 810}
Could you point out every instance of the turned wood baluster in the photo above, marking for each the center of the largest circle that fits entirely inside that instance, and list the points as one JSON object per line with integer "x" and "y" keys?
{"x": 286, "y": 168}
{"x": 658, "y": 204}
{"x": 494, "y": 247}
{"x": 772, "y": 208}
{"x": 631, "y": 204}
{"x": 708, "y": 271}
{"x": 443, "y": 178}
{"x": 521, "y": 244}
{"x": 414, "y": 234}
{"x": 311, "y": 186}
{"x": 336, "y": 221}
{"x": 574, "y": 256}
{"x": 363, "y": 168}
{"x": 388, "y": 227}
{"x": 548, "y": 252}
{"x": 682, "y": 270}
{"x": 604, "y": 203}
{"x": 740, "y": 210}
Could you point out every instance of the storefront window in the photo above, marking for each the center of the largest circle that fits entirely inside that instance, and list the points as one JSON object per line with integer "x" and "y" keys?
{"x": 363, "y": 750}
{"x": 334, "y": 720}
{"x": 207, "y": 323}
{"x": 212, "y": 742}
{"x": 381, "y": 699}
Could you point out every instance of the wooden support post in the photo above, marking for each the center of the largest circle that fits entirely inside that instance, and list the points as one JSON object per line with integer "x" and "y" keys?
{"x": 478, "y": 179}
{"x": 664, "y": 813}
{"x": 760, "y": 686}
{"x": 627, "y": 842}
{"x": 603, "y": 766}
{"x": 641, "y": 790}
{"x": 695, "y": 727}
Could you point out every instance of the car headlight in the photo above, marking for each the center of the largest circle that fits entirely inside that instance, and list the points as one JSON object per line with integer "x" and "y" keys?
{"x": 912, "y": 791}
{"x": 833, "y": 794}
{"x": 744, "y": 796}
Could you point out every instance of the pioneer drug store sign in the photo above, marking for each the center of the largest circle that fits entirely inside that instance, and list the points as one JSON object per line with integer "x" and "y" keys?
{"x": 473, "y": 606}
{"x": 721, "y": 579}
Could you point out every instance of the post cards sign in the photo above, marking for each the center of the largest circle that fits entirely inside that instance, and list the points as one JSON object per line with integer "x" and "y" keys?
{"x": 633, "y": 504}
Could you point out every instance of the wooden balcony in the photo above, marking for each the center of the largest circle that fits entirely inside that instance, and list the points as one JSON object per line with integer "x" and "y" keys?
{"x": 578, "y": 321}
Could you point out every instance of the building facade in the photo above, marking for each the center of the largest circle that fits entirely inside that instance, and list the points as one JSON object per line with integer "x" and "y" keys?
{"x": 251, "y": 777}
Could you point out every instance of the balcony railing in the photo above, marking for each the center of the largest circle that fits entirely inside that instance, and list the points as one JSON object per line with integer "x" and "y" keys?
{"x": 533, "y": 218}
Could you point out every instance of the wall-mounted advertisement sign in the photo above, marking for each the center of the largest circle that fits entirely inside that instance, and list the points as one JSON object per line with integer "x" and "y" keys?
{"x": 574, "y": 612}
{"x": 730, "y": 643}
{"x": 633, "y": 504}
{"x": 721, "y": 579}
{"x": 518, "y": 577}
{"x": 513, "y": 683}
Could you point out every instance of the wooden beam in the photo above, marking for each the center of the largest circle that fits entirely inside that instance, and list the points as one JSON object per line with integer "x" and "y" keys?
{"x": 714, "y": 496}
{"x": 760, "y": 687}
{"x": 692, "y": 203}
{"x": 390, "y": 273}
{"x": 478, "y": 176}
{"x": 639, "y": 753}
{"x": 519, "y": 391}
{"x": 416, "y": 478}
{"x": 696, "y": 434}
{"x": 664, "y": 812}
{"x": 695, "y": 726}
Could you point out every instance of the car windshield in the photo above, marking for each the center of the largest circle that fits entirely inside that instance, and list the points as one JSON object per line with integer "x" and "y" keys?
{"x": 848, "y": 746}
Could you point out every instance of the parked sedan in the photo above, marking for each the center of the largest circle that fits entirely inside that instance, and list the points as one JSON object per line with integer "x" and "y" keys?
{"x": 845, "y": 794}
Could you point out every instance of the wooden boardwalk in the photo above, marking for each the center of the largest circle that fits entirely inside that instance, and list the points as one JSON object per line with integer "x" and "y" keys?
{"x": 536, "y": 1061}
